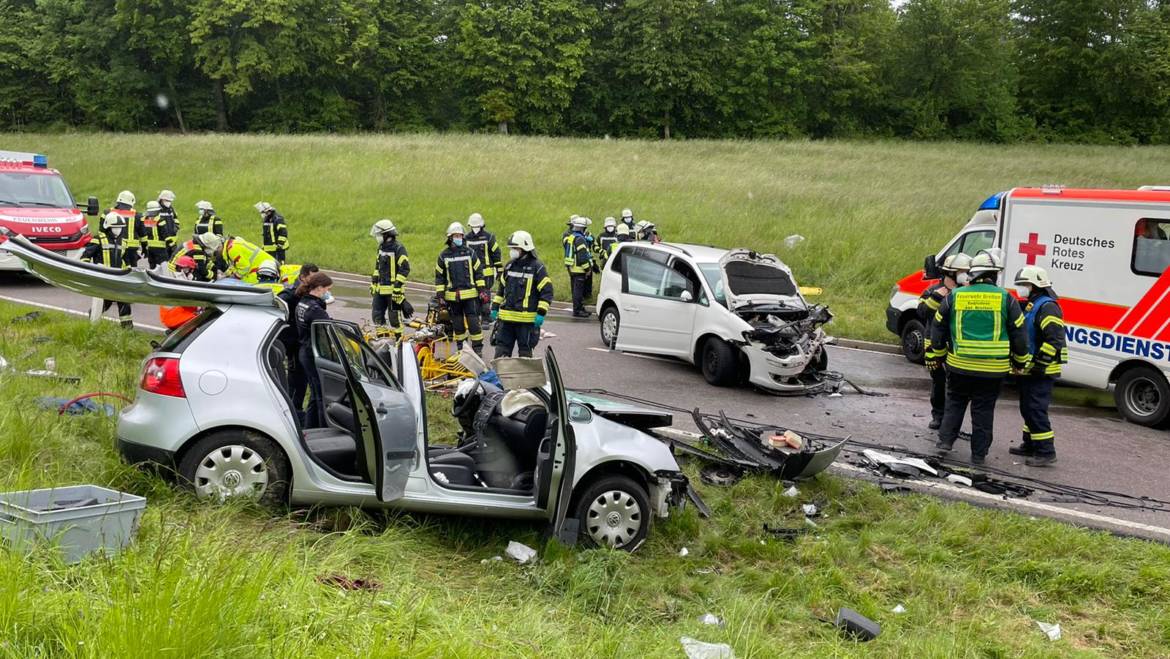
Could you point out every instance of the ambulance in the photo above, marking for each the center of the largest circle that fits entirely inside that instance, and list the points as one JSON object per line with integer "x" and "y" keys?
{"x": 36, "y": 203}
{"x": 1107, "y": 253}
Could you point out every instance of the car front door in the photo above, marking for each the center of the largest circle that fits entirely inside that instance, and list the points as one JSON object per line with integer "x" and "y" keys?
{"x": 384, "y": 414}
{"x": 565, "y": 451}
{"x": 658, "y": 304}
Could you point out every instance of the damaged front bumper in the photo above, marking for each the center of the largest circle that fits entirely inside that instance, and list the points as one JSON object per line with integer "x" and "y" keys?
{"x": 674, "y": 490}
{"x": 743, "y": 443}
{"x": 794, "y": 375}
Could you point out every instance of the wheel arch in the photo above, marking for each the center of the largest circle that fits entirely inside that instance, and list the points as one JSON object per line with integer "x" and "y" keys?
{"x": 615, "y": 467}
{"x": 203, "y": 434}
{"x": 696, "y": 357}
{"x": 1129, "y": 365}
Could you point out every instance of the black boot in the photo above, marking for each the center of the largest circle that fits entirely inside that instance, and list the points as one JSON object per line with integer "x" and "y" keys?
{"x": 1040, "y": 460}
{"x": 935, "y": 424}
{"x": 1026, "y": 447}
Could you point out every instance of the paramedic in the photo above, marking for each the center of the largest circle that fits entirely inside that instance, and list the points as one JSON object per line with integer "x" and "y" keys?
{"x": 979, "y": 331}
{"x": 954, "y": 274}
{"x": 1044, "y": 323}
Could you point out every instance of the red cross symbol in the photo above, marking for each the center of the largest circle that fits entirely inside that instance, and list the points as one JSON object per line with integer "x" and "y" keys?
{"x": 1033, "y": 248}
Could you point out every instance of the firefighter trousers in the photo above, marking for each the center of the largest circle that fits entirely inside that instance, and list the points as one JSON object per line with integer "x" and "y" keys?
{"x": 938, "y": 393}
{"x": 383, "y": 307}
{"x": 980, "y": 393}
{"x": 579, "y": 283}
{"x": 157, "y": 256}
{"x": 1035, "y": 397}
{"x": 125, "y": 317}
{"x": 509, "y": 336}
{"x": 465, "y": 322}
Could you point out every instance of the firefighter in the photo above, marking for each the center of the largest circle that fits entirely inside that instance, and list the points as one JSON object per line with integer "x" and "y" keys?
{"x": 152, "y": 236}
{"x": 202, "y": 249}
{"x": 459, "y": 286}
{"x": 623, "y": 234}
{"x": 954, "y": 269}
{"x": 628, "y": 219}
{"x": 487, "y": 249}
{"x": 114, "y": 248}
{"x": 169, "y": 219}
{"x": 523, "y": 297}
{"x": 273, "y": 231}
{"x": 388, "y": 284}
{"x": 208, "y": 220}
{"x": 268, "y": 276}
{"x": 124, "y": 207}
{"x": 979, "y": 331}
{"x": 241, "y": 259}
{"x": 647, "y": 231}
{"x": 1044, "y": 323}
{"x": 608, "y": 240}
{"x": 577, "y": 263}
{"x": 311, "y": 307}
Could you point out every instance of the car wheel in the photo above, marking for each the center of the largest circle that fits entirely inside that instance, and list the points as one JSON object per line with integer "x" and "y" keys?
{"x": 237, "y": 464}
{"x": 821, "y": 363}
{"x": 614, "y": 512}
{"x": 1143, "y": 396}
{"x": 914, "y": 341}
{"x": 719, "y": 362}
{"x": 610, "y": 322}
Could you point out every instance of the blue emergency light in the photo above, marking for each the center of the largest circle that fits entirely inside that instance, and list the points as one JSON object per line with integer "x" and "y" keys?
{"x": 993, "y": 202}
{"x": 40, "y": 160}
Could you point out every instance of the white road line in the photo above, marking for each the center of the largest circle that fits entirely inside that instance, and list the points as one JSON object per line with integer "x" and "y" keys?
{"x": 74, "y": 312}
{"x": 634, "y": 354}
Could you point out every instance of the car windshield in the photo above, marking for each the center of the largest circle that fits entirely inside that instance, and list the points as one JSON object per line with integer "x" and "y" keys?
{"x": 747, "y": 278}
{"x": 33, "y": 191}
{"x": 714, "y": 276}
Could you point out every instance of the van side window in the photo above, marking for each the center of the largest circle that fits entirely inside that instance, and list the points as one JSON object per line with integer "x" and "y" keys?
{"x": 1151, "y": 249}
{"x": 971, "y": 244}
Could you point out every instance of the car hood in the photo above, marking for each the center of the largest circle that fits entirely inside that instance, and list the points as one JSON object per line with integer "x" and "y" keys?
{"x": 751, "y": 279}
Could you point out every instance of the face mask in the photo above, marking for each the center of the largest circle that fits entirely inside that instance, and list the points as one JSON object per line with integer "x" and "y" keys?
{"x": 165, "y": 204}
{"x": 1023, "y": 291}
{"x": 458, "y": 242}
{"x": 514, "y": 253}
{"x": 115, "y": 231}
{"x": 963, "y": 279}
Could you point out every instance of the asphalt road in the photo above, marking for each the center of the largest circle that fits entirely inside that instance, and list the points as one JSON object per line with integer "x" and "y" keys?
{"x": 1096, "y": 449}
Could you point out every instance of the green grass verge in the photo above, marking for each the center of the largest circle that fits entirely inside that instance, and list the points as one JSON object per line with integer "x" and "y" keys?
{"x": 870, "y": 210}
{"x": 205, "y": 580}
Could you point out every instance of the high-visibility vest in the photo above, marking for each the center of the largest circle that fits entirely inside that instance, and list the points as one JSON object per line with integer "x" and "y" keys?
{"x": 243, "y": 258}
{"x": 979, "y": 329}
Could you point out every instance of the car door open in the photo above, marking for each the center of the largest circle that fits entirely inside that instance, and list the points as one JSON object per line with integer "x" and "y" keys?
{"x": 564, "y": 452}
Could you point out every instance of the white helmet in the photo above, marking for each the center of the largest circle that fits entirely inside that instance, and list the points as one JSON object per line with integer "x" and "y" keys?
{"x": 262, "y": 207}
{"x": 112, "y": 220}
{"x": 382, "y": 227}
{"x": 204, "y": 206}
{"x": 210, "y": 241}
{"x": 167, "y": 196}
{"x": 571, "y": 218}
{"x": 454, "y": 228}
{"x": 1034, "y": 275}
{"x": 153, "y": 207}
{"x": 623, "y": 229}
{"x": 475, "y": 221}
{"x": 984, "y": 262}
{"x": 956, "y": 262}
{"x": 610, "y": 222}
{"x": 579, "y": 222}
{"x": 268, "y": 269}
{"x": 522, "y": 240}
{"x": 627, "y": 214}
{"x": 126, "y": 197}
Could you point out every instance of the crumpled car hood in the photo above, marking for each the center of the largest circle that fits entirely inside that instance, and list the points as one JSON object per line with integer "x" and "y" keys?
{"x": 750, "y": 279}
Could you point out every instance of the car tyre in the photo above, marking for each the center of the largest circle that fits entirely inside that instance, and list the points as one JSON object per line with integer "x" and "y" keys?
{"x": 237, "y": 463}
{"x": 1142, "y": 396}
{"x": 610, "y": 323}
{"x": 614, "y": 511}
{"x": 719, "y": 362}
{"x": 914, "y": 341}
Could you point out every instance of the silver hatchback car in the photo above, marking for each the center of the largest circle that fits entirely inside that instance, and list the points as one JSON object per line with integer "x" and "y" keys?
{"x": 212, "y": 406}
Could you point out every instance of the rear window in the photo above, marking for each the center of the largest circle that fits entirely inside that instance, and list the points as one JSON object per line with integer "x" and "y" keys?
{"x": 755, "y": 279}
{"x": 1151, "y": 248}
{"x": 178, "y": 340}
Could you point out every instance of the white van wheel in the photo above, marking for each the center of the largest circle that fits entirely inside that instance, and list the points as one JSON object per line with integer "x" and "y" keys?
{"x": 1142, "y": 396}
{"x": 610, "y": 321}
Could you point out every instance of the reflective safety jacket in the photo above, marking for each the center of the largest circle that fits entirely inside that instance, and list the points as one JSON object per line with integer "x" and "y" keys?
{"x": 111, "y": 251}
{"x": 193, "y": 250}
{"x": 209, "y": 222}
{"x": 1046, "y": 339}
{"x": 170, "y": 221}
{"x": 928, "y": 304}
{"x": 486, "y": 249}
{"x": 275, "y": 286}
{"x": 606, "y": 243}
{"x": 392, "y": 267}
{"x": 242, "y": 258}
{"x": 458, "y": 274}
{"x": 577, "y": 257}
{"x": 274, "y": 232}
{"x": 130, "y": 220}
{"x": 152, "y": 234}
{"x": 524, "y": 291}
{"x": 980, "y": 329}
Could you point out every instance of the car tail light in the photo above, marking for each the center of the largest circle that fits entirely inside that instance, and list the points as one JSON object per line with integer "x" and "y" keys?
{"x": 161, "y": 376}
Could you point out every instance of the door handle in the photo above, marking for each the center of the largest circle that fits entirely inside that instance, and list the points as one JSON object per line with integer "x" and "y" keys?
{"x": 631, "y": 309}
{"x": 381, "y": 409}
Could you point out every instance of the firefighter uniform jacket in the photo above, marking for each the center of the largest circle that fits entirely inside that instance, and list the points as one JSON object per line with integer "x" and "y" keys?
{"x": 170, "y": 221}
{"x": 577, "y": 257}
{"x": 458, "y": 274}
{"x": 980, "y": 330}
{"x": 391, "y": 269}
{"x": 193, "y": 250}
{"x": 111, "y": 251}
{"x": 209, "y": 222}
{"x": 1046, "y": 339}
{"x": 486, "y": 249}
{"x": 524, "y": 290}
{"x": 131, "y": 218}
{"x": 243, "y": 258}
{"x": 606, "y": 243}
{"x": 152, "y": 234}
{"x": 928, "y": 304}
{"x": 274, "y": 232}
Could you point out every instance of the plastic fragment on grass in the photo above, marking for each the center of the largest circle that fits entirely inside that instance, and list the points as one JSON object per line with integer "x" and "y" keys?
{"x": 792, "y": 492}
{"x": 684, "y": 551}
{"x": 695, "y": 649}
{"x": 810, "y": 510}
{"x": 711, "y": 619}
{"x": 521, "y": 553}
{"x": 793, "y": 240}
{"x": 1051, "y": 631}
{"x": 898, "y": 609}
{"x": 857, "y": 626}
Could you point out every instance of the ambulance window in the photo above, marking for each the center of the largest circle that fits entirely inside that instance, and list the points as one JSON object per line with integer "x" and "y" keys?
{"x": 971, "y": 243}
{"x": 1151, "y": 249}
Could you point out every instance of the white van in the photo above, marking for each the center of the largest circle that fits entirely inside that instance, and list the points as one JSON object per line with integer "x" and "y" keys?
{"x": 1108, "y": 255}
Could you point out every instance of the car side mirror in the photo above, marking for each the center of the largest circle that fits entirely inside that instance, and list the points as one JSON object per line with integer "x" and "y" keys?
{"x": 930, "y": 268}
{"x": 91, "y": 206}
{"x": 686, "y": 296}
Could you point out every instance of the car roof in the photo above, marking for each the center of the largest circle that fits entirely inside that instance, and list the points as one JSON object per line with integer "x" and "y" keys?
{"x": 697, "y": 253}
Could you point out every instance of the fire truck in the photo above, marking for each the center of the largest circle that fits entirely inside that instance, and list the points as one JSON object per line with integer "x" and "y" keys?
{"x": 1108, "y": 255}
{"x": 36, "y": 203}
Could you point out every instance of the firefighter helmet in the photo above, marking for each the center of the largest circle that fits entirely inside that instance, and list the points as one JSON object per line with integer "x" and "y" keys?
{"x": 475, "y": 221}
{"x": 209, "y": 241}
{"x": 112, "y": 220}
{"x": 610, "y": 222}
{"x": 985, "y": 262}
{"x": 579, "y": 222}
{"x": 382, "y": 227}
{"x": 268, "y": 270}
{"x": 126, "y": 197}
{"x": 522, "y": 240}
{"x": 167, "y": 196}
{"x": 627, "y": 214}
{"x": 455, "y": 228}
{"x": 623, "y": 229}
{"x": 152, "y": 208}
{"x": 204, "y": 206}
{"x": 1034, "y": 275}
{"x": 572, "y": 218}
{"x": 262, "y": 207}
{"x": 956, "y": 262}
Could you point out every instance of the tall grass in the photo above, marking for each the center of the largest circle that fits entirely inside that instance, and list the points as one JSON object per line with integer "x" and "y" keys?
{"x": 869, "y": 210}
{"x": 213, "y": 581}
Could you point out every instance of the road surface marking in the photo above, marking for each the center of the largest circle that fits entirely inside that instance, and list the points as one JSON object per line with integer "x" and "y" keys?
{"x": 73, "y": 311}
{"x": 656, "y": 358}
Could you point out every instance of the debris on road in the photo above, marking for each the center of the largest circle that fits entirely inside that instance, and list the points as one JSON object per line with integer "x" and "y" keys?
{"x": 856, "y": 625}
{"x": 748, "y": 445}
{"x": 1051, "y": 631}
{"x": 810, "y": 510}
{"x": 699, "y": 650}
{"x": 792, "y": 492}
{"x": 519, "y": 552}
{"x": 959, "y": 480}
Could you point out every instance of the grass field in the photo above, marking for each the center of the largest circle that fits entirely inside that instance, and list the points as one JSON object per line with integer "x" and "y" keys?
{"x": 869, "y": 211}
{"x": 209, "y": 581}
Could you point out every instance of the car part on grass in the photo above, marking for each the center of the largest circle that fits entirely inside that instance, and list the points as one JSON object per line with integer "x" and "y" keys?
{"x": 700, "y": 505}
{"x": 747, "y": 441}
{"x": 694, "y": 649}
{"x": 78, "y": 520}
{"x": 789, "y": 534}
{"x": 520, "y": 552}
{"x": 720, "y": 475}
{"x": 852, "y": 623}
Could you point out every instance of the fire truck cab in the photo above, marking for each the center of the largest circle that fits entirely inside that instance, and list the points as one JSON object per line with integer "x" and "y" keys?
{"x": 36, "y": 203}
{"x": 1108, "y": 255}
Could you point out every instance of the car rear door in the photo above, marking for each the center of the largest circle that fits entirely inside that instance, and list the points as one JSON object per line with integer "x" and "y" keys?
{"x": 565, "y": 452}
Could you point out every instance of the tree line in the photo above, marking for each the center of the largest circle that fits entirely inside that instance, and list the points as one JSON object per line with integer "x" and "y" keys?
{"x": 990, "y": 70}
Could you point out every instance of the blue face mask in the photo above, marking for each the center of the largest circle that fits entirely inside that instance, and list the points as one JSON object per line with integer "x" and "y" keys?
{"x": 457, "y": 242}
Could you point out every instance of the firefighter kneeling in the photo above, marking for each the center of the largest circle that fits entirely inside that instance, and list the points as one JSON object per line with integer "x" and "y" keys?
{"x": 1044, "y": 323}
{"x": 979, "y": 331}
{"x": 523, "y": 297}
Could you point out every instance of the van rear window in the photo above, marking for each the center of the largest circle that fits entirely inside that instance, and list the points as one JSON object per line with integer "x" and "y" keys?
{"x": 178, "y": 340}
{"x": 1151, "y": 247}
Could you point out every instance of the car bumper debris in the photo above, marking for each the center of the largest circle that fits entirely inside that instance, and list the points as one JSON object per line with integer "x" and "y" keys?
{"x": 753, "y": 447}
